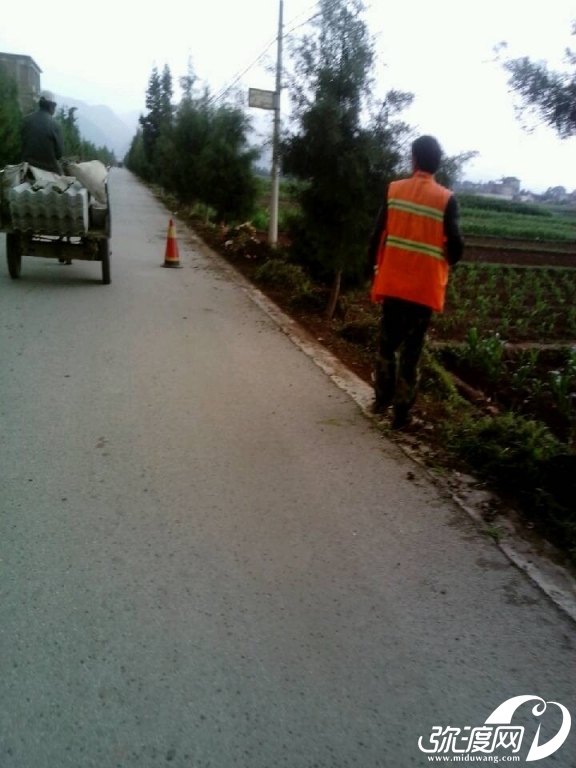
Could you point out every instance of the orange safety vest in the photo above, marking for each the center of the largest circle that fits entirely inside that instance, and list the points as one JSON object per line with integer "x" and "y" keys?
{"x": 412, "y": 262}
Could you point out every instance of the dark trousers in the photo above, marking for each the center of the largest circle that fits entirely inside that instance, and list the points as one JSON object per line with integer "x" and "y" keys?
{"x": 402, "y": 334}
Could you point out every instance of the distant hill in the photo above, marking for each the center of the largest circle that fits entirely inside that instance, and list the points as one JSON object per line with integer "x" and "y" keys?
{"x": 103, "y": 127}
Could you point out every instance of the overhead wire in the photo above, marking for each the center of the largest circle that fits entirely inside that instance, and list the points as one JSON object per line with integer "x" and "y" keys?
{"x": 238, "y": 77}
{"x": 286, "y": 35}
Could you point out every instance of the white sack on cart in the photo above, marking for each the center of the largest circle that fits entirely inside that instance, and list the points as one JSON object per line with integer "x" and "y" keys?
{"x": 92, "y": 175}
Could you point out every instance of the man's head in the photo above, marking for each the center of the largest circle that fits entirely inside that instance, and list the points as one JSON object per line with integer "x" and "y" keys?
{"x": 426, "y": 154}
{"x": 47, "y": 102}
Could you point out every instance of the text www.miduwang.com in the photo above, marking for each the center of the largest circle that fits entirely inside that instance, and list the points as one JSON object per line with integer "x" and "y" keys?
{"x": 474, "y": 758}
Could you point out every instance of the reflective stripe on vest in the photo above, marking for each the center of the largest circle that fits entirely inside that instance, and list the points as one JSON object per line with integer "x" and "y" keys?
{"x": 414, "y": 245}
{"x": 411, "y": 259}
{"x": 419, "y": 210}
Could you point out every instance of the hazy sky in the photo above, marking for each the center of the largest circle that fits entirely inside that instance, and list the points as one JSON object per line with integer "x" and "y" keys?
{"x": 103, "y": 53}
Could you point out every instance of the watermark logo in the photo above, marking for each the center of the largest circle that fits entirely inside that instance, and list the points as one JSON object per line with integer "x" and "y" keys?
{"x": 497, "y": 733}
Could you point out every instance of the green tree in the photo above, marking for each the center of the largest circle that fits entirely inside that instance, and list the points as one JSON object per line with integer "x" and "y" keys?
{"x": 228, "y": 182}
{"x": 206, "y": 157}
{"x": 191, "y": 134}
{"x": 10, "y": 120}
{"x": 344, "y": 159}
{"x": 74, "y": 145}
{"x": 158, "y": 120}
{"x": 66, "y": 117}
{"x": 135, "y": 158}
{"x": 551, "y": 94}
{"x": 188, "y": 81}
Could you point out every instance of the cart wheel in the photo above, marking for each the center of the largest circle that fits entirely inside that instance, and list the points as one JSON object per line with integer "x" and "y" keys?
{"x": 104, "y": 252}
{"x": 13, "y": 254}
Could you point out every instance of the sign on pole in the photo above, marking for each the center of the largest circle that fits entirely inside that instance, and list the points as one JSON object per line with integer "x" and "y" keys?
{"x": 261, "y": 99}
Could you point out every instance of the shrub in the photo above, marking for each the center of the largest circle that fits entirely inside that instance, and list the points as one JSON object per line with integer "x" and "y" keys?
{"x": 362, "y": 329}
{"x": 260, "y": 220}
{"x": 520, "y": 457}
{"x": 276, "y": 272}
{"x": 435, "y": 379}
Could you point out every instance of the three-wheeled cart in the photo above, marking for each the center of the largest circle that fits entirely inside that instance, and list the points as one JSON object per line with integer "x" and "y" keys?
{"x": 91, "y": 245}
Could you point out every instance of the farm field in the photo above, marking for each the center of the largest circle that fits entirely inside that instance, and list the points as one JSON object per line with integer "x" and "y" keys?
{"x": 502, "y": 218}
{"x": 519, "y": 303}
{"x": 533, "y": 225}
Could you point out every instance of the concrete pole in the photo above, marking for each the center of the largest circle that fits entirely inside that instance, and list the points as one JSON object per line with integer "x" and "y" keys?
{"x": 273, "y": 232}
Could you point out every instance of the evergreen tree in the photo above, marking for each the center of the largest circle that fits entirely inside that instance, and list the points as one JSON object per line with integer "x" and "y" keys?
{"x": 227, "y": 178}
{"x": 191, "y": 135}
{"x": 552, "y": 95}
{"x": 75, "y": 147}
{"x": 135, "y": 159}
{"x": 66, "y": 117}
{"x": 10, "y": 120}
{"x": 207, "y": 159}
{"x": 345, "y": 162}
{"x": 188, "y": 81}
{"x": 166, "y": 94}
{"x": 158, "y": 119}
{"x": 198, "y": 151}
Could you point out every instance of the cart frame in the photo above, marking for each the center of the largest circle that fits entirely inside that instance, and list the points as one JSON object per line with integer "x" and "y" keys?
{"x": 94, "y": 245}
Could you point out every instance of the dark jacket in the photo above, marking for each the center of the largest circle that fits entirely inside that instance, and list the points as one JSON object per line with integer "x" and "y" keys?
{"x": 42, "y": 144}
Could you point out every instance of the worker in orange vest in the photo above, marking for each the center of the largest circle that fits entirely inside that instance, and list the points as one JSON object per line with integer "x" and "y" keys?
{"x": 415, "y": 240}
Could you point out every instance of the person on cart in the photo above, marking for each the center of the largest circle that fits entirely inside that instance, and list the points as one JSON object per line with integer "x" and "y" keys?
{"x": 41, "y": 137}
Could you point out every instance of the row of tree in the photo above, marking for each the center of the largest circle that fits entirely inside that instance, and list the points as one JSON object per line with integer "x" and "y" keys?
{"x": 198, "y": 150}
{"x": 11, "y": 119}
{"x": 77, "y": 147}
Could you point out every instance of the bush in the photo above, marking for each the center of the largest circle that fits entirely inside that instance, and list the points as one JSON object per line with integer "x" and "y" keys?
{"x": 363, "y": 329}
{"x": 435, "y": 378}
{"x": 279, "y": 273}
{"x": 520, "y": 457}
{"x": 241, "y": 241}
{"x": 506, "y": 447}
{"x": 260, "y": 220}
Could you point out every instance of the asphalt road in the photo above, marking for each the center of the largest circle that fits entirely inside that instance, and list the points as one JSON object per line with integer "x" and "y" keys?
{"x": 209, "y": 557}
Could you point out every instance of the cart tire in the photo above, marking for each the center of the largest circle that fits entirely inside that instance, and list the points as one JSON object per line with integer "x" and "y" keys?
{"x": 13, "y": 254}
{"x": 104, "y": 251}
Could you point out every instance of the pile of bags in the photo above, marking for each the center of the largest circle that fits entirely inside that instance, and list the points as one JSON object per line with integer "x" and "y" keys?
{"x": 46, "y": 203}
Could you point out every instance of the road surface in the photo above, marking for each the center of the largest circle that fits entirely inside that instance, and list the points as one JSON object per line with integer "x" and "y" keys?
{"x": 209, "y": 557}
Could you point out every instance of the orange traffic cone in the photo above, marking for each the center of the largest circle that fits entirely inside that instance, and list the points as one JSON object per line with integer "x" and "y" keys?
{"x": 171, "y": 258}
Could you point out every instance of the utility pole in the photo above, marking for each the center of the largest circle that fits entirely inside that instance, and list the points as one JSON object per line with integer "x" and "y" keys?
{"x": 273, "y": 232}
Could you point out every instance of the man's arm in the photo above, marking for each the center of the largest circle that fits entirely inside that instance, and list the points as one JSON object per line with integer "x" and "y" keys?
{"x": 454, "y": 239}
{"x": 376, "y": 237}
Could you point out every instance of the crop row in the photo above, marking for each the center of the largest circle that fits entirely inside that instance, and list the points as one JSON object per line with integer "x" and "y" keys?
{"x": 519, "y": 303}
{"x": 500, "y": 224}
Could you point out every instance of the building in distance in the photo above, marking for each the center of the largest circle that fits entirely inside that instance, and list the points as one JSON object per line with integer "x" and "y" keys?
{"x": 26, "y": 73}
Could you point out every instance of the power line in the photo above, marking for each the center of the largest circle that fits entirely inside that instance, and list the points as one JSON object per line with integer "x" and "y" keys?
{"x": 227, "y": 88}
{"x": 237, "y": 78}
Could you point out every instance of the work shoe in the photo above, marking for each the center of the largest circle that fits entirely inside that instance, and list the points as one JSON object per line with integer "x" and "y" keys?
{"x": 407, "y": 423}
{"x": 379, "y": 407}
